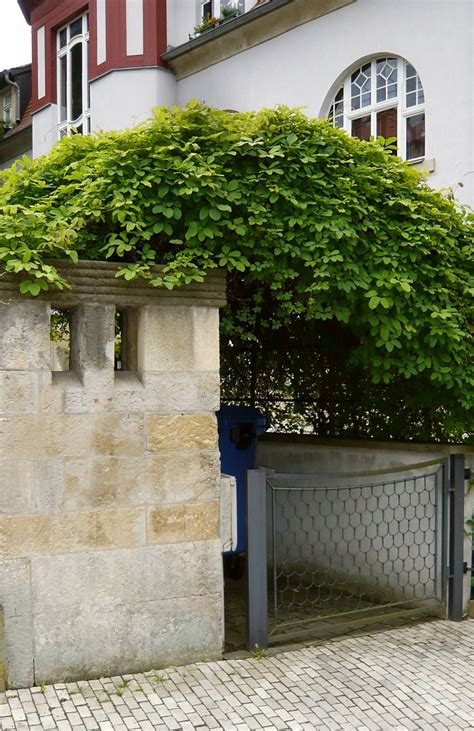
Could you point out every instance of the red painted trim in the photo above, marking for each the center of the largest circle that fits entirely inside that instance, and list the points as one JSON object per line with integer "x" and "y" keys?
{"x": 51, "y": 14}
{"x": 92, "y": 36}
{"x": 154, "y": 41}
{"x": 55, "y": 13}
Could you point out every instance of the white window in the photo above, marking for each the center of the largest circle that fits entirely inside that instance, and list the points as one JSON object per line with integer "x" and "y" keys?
{"x": 72, "y": 77}
{"x": 220, "y": 8}
{"x": 383, "y": 97}
{"x": 7, "y": 112}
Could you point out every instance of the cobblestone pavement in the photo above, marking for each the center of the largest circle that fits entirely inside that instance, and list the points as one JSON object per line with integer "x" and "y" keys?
{"x": 417, "y": 677}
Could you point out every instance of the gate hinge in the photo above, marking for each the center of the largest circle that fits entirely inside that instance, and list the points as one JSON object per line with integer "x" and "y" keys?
{"x": 466, "y": 568}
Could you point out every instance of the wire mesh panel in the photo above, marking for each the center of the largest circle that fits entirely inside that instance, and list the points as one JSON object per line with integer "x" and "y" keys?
{"x": 345, "y": 549}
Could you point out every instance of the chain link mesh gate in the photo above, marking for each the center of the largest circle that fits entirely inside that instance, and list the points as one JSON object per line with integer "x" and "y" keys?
{"x": 343, "y": 550}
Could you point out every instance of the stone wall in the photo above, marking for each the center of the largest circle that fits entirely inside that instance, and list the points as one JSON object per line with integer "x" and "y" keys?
{"x": 109, "y": 481}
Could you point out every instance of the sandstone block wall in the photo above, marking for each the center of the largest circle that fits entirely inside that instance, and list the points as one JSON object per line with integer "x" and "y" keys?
{"x": 109, "y": 482}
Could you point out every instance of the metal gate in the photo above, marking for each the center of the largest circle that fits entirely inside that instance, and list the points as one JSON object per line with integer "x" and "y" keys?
{"x": 327, "y": 553}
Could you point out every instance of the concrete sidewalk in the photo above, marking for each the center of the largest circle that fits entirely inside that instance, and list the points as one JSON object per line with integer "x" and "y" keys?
{"x": 418, "y": 677}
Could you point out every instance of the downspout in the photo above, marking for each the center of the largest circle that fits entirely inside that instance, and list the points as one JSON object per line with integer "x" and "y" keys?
{"x": 12, "y": 83}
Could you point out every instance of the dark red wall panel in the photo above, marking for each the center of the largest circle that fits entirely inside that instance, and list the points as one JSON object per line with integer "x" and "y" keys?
{"x": 54, "y": 13}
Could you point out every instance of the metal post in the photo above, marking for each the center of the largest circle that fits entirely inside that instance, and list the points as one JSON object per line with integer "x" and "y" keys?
{"x": 256, "y": 524}
{"x": 456, "y": 538}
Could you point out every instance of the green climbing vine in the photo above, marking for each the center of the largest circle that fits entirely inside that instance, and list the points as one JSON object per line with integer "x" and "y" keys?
{"x": 322, "y": 236}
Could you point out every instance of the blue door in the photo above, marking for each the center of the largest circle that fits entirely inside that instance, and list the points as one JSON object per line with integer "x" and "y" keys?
{"x": 239, "y": 427}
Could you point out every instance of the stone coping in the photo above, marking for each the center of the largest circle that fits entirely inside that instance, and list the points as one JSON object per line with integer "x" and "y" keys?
{"x": 310, "y": 439}
{"x": 244, "y": 32}
{"x": 96, "y": 281}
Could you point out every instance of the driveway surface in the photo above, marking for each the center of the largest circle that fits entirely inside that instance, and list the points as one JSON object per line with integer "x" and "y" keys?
{"x": 417, "y": 677}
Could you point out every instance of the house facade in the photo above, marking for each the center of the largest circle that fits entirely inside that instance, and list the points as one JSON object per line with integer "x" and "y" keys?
{"x": 15, "y": 114}
{"x": 374, "y": 67}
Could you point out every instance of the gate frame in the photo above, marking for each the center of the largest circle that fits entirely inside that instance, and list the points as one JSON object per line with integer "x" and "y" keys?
{"x": 451, "y": 544}
{"x": 456, "y": 537}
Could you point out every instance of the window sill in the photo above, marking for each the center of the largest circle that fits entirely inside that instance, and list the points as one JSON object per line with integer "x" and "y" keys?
{"x": 427, "y": 166}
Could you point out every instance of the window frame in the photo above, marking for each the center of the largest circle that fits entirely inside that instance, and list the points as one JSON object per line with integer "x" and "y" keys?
{"x": 7, "y": 105}
{"x": 68, "y": 126}
{"x": 216, "y": 8}
{"x": 399, "y": 102}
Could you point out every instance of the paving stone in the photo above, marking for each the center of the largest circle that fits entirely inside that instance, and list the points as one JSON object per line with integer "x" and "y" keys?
{"x": 416, "y": 677}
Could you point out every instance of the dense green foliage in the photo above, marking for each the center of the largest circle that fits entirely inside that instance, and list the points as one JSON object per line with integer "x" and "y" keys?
{"x": 336, "y": 251}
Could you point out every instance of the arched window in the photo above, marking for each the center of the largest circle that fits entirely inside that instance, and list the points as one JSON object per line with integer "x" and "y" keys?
{"x": 383, "y": 97}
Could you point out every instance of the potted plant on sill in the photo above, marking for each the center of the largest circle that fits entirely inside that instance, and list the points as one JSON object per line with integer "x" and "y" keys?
{"x": 213, "y": 22}
{"x": 229, "y": 14}
{"x": 207, "y": 24}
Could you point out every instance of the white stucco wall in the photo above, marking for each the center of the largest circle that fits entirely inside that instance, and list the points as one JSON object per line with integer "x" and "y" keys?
{"x": 302, "y": 68}
{"x": 182, "y": 16}
{"x": 125, "y": 98}
{"x": 45, "y": 130}
{"x": 119, "y": 100}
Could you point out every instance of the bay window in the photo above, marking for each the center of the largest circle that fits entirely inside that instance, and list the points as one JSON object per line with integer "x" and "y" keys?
{"x": 72, "y": 77}
{"x": 383, "y": 97}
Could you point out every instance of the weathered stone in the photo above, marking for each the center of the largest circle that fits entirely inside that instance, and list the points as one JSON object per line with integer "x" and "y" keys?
{"x": 49, "y": 486}
{"x": 105, "y": 579}
{"x": 109, "y": 487}
{"x": 175, "y": 523}
{"x": 138, "y": 636}
{"x": 148, "y": 480}
{"x": 51, "y": 392}
{"x": 16, "y": 600}
{"x": 181, "y": 433}
{"x": 154, "y": 392}
{"x": 88, "y": 401}
{"x": 25, "y": 336}
{"x": 93, "y": 341}
{"x": 166, "y": 524}
{"x": 3, "y": 659}
{"x": 56, "y": 436}
{"x": 201, "y": 521}
{"x": 32, "y": 535}
{"x": 18, "y": 392}
{"x": 178, "y": 339}
{"x": 206, "y": 339}
{"x": 19, "y": 651}
{"x": 97, "y": 282}
{"x": 16, "y": 487}
{"x": 180, "y": 392}
{"x": 15, "y": 587}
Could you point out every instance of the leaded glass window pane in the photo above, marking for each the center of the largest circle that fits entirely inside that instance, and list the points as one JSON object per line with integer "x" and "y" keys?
{"x": 336, "y": 113}
{"x": 387, "y": 79}
{"x": 380, "y": 83}
{"x": 361, "y": 87}
{"x": 414, "y": 90}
